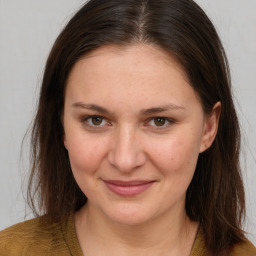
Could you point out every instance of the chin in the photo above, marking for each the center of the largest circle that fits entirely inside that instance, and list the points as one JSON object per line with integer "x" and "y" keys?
{"x": 129, "y": 215}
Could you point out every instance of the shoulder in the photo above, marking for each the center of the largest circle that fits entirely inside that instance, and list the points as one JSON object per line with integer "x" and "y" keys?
{"x": 32, "y": 237}
{"x": 246, "y": 248}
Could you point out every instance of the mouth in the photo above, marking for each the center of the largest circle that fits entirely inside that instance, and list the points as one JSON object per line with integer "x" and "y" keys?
{"x": 128, "y": 188}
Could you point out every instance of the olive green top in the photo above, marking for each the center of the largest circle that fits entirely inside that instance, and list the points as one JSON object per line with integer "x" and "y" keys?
{"x": 37, "y": 237}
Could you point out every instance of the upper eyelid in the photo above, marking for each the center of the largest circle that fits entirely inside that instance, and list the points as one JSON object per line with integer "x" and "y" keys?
{"x": 85, "y": 118}
{"x": 166, "y": 118}
{"x": 147, "y": 119}
{"x": 91, "y": 116}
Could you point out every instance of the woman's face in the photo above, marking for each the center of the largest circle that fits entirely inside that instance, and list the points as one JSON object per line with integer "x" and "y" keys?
{"x": 134, "y": 128}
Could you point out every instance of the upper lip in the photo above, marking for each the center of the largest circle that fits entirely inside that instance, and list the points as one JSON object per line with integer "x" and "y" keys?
{"x": 128, "y": 183}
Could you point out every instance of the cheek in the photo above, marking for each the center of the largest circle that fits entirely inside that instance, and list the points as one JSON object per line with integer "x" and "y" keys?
{"x": 85, "y": 155}
{"x": 177, "y": 156}
{"x": 85, "y": 158}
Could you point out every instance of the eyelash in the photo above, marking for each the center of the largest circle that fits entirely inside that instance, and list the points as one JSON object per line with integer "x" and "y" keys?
{"x": 88, "y": 122}
{"x": 167, "y": 122}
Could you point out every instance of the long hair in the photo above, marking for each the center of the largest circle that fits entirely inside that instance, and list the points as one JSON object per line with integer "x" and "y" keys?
{"x": 215, "y": 197}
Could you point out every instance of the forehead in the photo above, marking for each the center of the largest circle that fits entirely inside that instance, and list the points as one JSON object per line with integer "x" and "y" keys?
{"x": 142, "y": 73}
{"x": 129, "y": 56}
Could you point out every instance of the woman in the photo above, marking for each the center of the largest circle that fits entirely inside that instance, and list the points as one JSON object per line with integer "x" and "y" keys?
{"x": 136, "y": 140}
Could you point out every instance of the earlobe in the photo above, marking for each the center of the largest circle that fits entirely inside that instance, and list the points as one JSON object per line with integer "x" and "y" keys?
{"x": 210, "y": 127}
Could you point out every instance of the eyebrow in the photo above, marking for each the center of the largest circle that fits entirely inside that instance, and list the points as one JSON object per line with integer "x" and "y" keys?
{"x": 91, "y": 107}
{"x": 160, "y": 109}
{"x": 148, "y": 111}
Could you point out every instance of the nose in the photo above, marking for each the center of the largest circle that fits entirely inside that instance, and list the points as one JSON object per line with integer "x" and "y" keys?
{"x": 126, "y": 152}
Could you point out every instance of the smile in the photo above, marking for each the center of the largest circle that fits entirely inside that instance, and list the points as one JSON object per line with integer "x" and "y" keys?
{"x": 128, "y": 188}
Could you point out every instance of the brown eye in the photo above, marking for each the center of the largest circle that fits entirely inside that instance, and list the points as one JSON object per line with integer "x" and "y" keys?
{"x": 97, "y": 120}
{"x": 159, "y": 121}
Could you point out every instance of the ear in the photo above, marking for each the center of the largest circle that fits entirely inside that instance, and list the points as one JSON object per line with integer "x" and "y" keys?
{"x": 210, "y": 127}
{"x": 64, "y": 135}
{"x": 65, "y": 141}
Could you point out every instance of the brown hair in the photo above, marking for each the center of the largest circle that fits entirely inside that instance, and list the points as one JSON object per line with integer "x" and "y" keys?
{"x": 215, "y": 197}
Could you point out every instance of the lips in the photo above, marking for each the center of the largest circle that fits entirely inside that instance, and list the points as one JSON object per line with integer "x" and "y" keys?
{"x": 128, "y": 188}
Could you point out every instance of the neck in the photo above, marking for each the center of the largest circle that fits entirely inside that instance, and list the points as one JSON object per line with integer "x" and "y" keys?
{"x": 166, "y": 235}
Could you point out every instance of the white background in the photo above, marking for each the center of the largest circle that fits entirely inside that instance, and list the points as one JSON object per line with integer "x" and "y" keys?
{"x": 28, "y": 29}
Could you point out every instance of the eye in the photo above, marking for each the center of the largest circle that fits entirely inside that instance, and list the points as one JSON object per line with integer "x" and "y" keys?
{"x": 94, "y": 121}
{"x": 160, "y": 122}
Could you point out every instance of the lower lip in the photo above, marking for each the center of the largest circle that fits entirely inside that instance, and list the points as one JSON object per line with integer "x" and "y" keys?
{"x": 128, "y": 190}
